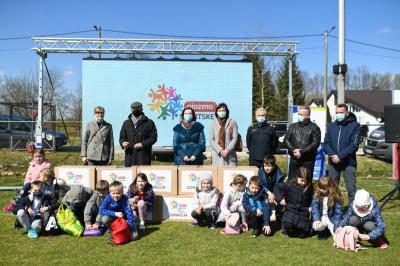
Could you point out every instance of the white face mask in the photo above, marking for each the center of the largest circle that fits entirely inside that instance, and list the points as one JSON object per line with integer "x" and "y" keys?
{"x": 221, "y": 114}
{"x": 300, "y": 119}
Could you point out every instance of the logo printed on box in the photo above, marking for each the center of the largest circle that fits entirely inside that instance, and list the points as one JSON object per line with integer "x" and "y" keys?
{"x": 189, "y": 180}
{"x": 177, "y": 208}
{"x": 77, "y": 176}
{"x": 160, "y": 179}
{"x": 123, "y": 176}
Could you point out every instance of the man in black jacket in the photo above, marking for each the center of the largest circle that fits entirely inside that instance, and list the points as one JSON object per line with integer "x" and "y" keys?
{"x": 261, "y": 139}
{"x": 137, "y": 136}
{"x": 302, "y": 139}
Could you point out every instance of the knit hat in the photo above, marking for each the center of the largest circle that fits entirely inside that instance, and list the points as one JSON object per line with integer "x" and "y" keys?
{"x": 204, "y": 176}
{"x": 362, "y": 199}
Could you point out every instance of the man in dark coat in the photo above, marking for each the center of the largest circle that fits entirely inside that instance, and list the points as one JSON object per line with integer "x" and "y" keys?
{"x": 261, "y": 139}
{"x": 137, "y": 136}
{"x": 341, "y": 145}
{"x": 302, "y": 139}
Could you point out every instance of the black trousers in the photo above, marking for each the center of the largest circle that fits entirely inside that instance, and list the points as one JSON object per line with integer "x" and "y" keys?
{"x": 254, "y": 162}
{"x": 256, "y": 222}
{"x": 206, "y": 217}
{"x": 293, "y": 166}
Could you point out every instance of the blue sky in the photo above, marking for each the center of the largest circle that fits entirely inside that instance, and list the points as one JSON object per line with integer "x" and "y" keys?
{"x": 375, "y": 21}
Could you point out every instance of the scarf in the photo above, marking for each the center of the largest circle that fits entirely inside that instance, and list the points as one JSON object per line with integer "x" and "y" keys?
{"x": 135, "y": 120}
{"x": 186, "y": 125}
{"x": 221, "y": 133}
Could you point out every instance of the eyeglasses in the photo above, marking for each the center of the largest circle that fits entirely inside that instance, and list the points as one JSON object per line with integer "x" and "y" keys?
{"x": 99, "y": 113}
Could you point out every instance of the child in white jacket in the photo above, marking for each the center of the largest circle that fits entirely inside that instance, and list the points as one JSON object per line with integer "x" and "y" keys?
{"x": 232, "y": 201}
{"x": 205, "y": 202}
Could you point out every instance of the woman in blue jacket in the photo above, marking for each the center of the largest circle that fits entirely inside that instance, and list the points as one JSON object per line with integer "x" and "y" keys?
{"x": 189, "y": 141}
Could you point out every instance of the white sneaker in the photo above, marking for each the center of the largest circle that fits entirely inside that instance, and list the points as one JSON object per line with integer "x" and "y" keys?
{"x": 141, "y": 226}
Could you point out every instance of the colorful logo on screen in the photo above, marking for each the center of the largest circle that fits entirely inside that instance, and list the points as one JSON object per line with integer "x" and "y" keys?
{"x": 166, "y": 102}
{"x": 157, "y": 181}
{"x": 73, "y": 179}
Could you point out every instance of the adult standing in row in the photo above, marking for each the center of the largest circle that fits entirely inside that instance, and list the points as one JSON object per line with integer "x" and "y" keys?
{"x": 223, "y": 137}
{"x": 302, "y": 139}
{"x": 189, "y": 142}
{"x": 261, "y": 139}
{"x": 137, "y": 136}
{"x": 98, "y": 141}
{"x": 341, "y": 145}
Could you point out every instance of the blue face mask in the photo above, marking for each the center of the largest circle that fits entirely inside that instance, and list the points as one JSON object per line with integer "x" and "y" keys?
{"x": 340, "y": 117}
{"x": 187, "y": 118}
{"x": 260, "y": 119}
{"x": 300, "y": 119}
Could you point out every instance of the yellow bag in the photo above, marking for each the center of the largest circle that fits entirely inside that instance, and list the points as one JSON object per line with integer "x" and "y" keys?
{"x": 68, "y": 222}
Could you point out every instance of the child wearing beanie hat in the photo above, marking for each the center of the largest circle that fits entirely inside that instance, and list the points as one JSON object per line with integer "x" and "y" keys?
{"x": 365, "y": 214}
{"x": 205, "y": 201}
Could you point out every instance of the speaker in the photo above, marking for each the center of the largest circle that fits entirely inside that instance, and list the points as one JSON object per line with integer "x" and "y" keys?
{"x": 392, "y": 123}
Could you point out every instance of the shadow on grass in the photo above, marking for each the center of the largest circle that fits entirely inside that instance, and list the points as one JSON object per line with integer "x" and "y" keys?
{"x": 148, "y": 231}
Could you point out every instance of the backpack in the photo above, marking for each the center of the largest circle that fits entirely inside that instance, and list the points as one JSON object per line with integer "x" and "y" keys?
{"x": 232, "y": 226}
{"x": 347, "y": 238}
{"x": 120, "y": 231}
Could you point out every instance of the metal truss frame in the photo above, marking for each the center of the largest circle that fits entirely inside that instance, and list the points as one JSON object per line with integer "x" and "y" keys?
{"x": 163, "y": 46}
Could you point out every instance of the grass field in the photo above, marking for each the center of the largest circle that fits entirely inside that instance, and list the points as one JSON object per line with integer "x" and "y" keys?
{"x": 177, "y": 243}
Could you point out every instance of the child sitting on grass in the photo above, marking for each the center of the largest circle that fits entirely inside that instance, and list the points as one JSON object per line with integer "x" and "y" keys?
{"x": 256, "y": 205}
{"x": 326, "y": 207}
{"x": 296, "y": 196}
{"x": 34, "y": 210}
{"x": 91, "y": 213}
{"x": 365, "y": 214}
{"x": 116, "y": 205}
{"x": 232, "y": 201}
{"x": 205, "y": 202}
{"x": 51, "y": 187}
{"x": 141, "y": 198}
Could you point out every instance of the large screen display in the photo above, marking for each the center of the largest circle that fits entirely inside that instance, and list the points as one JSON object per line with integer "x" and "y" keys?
{"x": 165, "y": 87}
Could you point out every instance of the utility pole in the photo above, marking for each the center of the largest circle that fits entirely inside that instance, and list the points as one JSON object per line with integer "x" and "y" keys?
{"x": 98, "y": 29}
{"x": 326, "y": 65}
{"x": 342, "y": 67}
{"x": 39, "y": 121}
{"x": 290, "y": 92}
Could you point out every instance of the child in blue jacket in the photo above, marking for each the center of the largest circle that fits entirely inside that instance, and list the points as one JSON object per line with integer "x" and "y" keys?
{"x": 326, "y": 207}
{"x": 116, "y": 204}
{"x": 256, "y": 205}
{"x": 365, "y": 214}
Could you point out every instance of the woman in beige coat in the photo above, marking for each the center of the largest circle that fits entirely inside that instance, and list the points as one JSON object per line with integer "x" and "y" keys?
{"x": 223, "y": 138}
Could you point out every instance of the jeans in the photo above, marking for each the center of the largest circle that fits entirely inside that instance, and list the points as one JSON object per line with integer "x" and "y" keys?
{"x": 349, "y": 173}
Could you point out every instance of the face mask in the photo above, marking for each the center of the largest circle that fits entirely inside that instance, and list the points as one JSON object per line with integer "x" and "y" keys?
{"x": 300, "y": 119}
{"x": 187, "y": 118}
{"x": 38, "y": 194}
{"x": 137, "y": 113}
{"x": 260, "y": 119}
{"x": 340, "y": 117}
{"x": 221, "y": 114}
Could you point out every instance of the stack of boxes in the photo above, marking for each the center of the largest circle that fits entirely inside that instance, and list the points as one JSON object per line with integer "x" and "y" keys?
{"x": 174, "y": 186}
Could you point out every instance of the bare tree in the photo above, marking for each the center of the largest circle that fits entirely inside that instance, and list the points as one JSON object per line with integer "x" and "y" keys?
{"x": 362, "y": 78}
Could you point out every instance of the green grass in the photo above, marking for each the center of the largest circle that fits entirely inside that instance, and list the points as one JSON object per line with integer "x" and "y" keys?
{"x": 178, "y": 243}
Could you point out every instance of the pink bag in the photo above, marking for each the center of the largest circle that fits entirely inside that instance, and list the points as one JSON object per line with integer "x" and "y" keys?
{"x": 231, "y": 225}
{"x": 347, "y": 238}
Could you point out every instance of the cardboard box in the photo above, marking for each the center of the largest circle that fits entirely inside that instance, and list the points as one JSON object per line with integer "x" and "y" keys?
{"x": 163, "y": 178}
{"x": 156, "y": 214}
{"x": 177, "y": 208}
{"x": 188, "y": 177}
{"x": 226, "y": 174}
{"x": 77, "y": 175}
{"x": 125, "y": 175}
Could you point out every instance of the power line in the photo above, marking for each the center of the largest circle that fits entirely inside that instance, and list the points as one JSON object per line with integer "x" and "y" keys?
{"x": 368, "y": 44}
{"x": 46, "y": 35}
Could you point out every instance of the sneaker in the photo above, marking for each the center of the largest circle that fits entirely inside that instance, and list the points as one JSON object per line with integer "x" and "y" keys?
{"x": 32, "y": 233}
{"x": 256, "y": 233}
{"x": 194, "y": 223}
{"x": 142, "y": 226}
{"x": 382, "y": 243}
{"x": 9, "y": 207}
{"x": 213, "y": 226}
{"x": 283, "y": 232}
